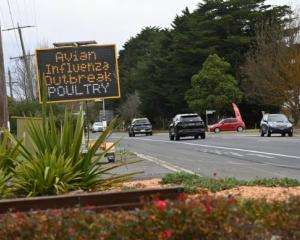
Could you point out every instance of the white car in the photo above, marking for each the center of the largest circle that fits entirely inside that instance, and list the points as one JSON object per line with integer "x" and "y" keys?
{"x": 97, "y": 127}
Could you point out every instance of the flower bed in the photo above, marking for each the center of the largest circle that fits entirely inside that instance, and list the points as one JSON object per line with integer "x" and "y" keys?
{"x": 203, "y": 217}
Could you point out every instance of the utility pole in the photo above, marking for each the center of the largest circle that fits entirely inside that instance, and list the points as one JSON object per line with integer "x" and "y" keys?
{"x": 26, "y": 64}
{"x": 3, "y": 96}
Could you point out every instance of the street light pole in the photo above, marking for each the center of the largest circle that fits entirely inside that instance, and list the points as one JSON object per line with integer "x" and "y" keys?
{"x": 206, "y": 120}
{"x": 103, "y": 108}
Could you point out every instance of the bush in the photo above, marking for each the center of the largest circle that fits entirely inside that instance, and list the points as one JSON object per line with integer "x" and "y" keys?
{"x": 199, "y": 218}
{"x": 55, "y": 163}
{"x": 9, "y": 151}
{"x": 192, "y": 182}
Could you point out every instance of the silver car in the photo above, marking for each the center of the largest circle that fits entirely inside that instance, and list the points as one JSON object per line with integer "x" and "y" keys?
{"x": 97, "y": 127}
{"x": 275, "y": 123}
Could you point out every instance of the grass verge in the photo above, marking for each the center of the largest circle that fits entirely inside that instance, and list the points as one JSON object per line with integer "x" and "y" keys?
{"x": 192, "y": 183}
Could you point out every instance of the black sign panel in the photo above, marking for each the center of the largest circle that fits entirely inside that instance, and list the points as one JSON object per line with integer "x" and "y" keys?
{"x": 78, "y": 73}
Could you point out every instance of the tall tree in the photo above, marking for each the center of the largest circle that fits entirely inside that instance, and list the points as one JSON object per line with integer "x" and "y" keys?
{"x": 129, "y": 109}
{"x": 160, "y": 63}
{"x": 213, "y": 87}
{"x": 138, "y": 70}
{"x": 273, "y": 68}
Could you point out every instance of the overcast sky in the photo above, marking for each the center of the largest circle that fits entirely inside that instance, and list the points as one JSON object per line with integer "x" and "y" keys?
{"x": 110, "y": 21}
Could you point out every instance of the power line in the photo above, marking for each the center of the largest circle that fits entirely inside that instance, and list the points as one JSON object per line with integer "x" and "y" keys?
{"x": 18, "y": 11}
{"x": 27, "y": 67}
{"x": 9, "y": 37}
{"x": 12, "y": 21}
{"x": 35, "y": 22}
{"x": 1, "y": 15}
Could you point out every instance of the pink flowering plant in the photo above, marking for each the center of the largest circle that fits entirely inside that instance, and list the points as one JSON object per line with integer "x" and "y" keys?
{"x": 201, "y": 217}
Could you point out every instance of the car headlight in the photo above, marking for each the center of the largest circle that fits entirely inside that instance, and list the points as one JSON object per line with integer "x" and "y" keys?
{"x": 289, "y": 125}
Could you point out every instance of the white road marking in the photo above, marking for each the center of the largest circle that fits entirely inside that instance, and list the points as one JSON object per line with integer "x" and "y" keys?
{"x": 280, "y": 165}
{"x": 218, "y": 152}
{"x": 165, "y": 164}
{"x": 236, "y": 154}
{"x": 238, "y": 163}
{"x": 259, "y": 155}
{"x": 220, "y": 147}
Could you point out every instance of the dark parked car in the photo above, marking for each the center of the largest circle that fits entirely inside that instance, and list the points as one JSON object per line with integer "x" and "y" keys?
{"x": 140, "y": 126}
{"x": 275, "y": 123}
{"x": 184, "y": 125}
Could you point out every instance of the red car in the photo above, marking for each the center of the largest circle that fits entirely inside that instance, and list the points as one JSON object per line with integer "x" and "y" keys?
{"x": 228, "y": 124}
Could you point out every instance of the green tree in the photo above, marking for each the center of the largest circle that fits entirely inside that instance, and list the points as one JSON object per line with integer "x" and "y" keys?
{"x": 138, "y": 71}
{"x": 213, "y": 87}
{"x": 160, "y": 63}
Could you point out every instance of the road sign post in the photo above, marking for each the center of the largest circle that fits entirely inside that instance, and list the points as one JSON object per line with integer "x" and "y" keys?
{"x": 208, "y": 112}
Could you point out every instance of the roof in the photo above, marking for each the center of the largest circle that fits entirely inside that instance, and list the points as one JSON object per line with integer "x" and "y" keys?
{"x": 140, "y": 119}
{"x": 187, "y": 114}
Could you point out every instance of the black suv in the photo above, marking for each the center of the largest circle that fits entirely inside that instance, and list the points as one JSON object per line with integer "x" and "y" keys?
{"x": 140, "y": 126}
{"x": 184, "y": 125}
{"x": 275, "y": 123}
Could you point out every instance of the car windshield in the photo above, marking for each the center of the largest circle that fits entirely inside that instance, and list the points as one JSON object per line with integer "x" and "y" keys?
{"x": 277, "y": 118}
{"x": 141, "y": 121}
{"x": 189, "y": 118}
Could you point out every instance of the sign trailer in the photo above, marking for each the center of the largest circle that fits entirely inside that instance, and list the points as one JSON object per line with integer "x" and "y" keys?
{"x": 77, "y": 73}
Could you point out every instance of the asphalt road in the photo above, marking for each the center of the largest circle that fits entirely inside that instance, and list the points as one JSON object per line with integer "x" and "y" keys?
{"x": 240, "y": 155}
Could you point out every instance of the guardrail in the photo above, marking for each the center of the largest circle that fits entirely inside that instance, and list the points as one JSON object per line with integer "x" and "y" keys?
{"x": 117, "y": 200}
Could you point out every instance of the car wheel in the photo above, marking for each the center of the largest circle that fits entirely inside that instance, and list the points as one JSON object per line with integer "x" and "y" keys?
{"x": 112, "y": 159}
{"x": 150, "y": 133}
{"x": 290, "y": 134}
{"x": 196, "y": 137}
{"x": 133, "y": 134}
{"x": 202, "y": 135}
{"x": 171, "y": 134}
{"x": 240, "y": 129}
{"x": 262, "y": 132}
{"x": 268, "y": 133}
{"x": 217, "y": 130}
{"x": 282, "y": 134}
{"x": 177, "y": 138}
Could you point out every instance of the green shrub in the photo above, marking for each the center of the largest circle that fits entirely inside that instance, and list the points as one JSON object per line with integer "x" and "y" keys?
{"x": 5, "y": 191}
{"x": 47, "y": 174}
{"x": 274, "y": 182}
{"x": 199, "y": 218}
{"x": 192, "y": 182}
{"x": 56, "y": 163}
{"x": 9, "y": 151}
